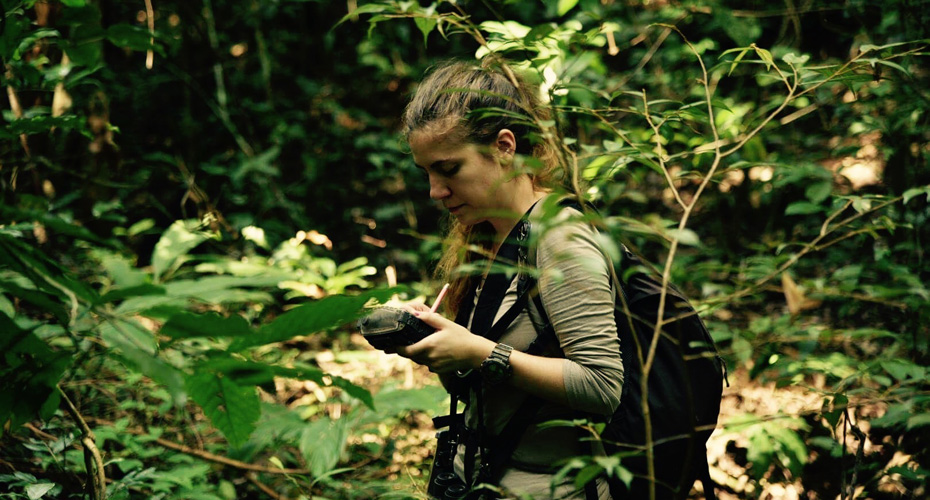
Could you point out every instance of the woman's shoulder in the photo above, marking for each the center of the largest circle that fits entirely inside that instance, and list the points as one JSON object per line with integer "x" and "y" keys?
{"x": 560, "y": 229}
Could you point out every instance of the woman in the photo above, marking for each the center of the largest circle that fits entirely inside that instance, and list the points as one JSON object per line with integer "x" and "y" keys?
{"x": 471, "y": 158}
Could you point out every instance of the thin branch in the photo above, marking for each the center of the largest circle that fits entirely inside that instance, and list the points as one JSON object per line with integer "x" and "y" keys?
{"x": 92, "y": 457}
{"x": 262, "y": 486}
{"x": 150, "y": 18}
{"x": 205, "y": 455}
{"x": 660, "y": 152}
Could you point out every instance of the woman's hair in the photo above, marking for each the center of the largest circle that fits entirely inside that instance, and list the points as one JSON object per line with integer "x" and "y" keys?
{"x": 472, "y": 102}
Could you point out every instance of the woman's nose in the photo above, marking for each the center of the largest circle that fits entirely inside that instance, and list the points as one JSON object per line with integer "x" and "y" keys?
{"x": 438, "y": 189}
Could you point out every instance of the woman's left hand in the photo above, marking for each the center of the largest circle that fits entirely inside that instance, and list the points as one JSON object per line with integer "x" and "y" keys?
{"x": 451, "y": 347}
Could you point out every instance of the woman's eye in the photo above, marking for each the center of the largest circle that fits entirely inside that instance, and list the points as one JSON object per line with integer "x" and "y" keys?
{"x": 449, "y": 171}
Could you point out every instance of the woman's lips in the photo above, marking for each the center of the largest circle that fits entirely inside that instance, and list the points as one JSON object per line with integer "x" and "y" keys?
{"x": 453, "y": 210}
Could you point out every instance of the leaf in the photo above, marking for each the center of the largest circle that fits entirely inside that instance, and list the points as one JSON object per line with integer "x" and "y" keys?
{"x": 587, "y": 475}
{"x": 38, "y": 490}
{"x": 765, "y": 55}
{"x": 131, "y": 37}
{"x": 390, "y": 402}
{"x": 736, "y": 61}
{"x": 42, "y": 124}
{"x": 322, "y": 443}
{"x": 795, "y": 298}
{"x": 189, "y": 325}
{"x": 564, "y": 6}
{"x": 920, "y": 420}
{"x": 794, "y": 60}
{"x": 818, "y": 191}
{"x": 29, "y": 373}
{"x": 426, "y": 25}
{"x": 803, "y": 208}
{"x": 180, "y": 238}
{"x": 912, "y": 193}
{"x": 132, "y": 291}
{"x": 312, "y": 317}
{"x": 233, "y": 409}
{"x": 251, "y": 373}
{"x": 861, "y": 204}
{"x": 891, "y": 65}
{"x": 370, "y": 8}
{"x": 134, "y": 346}
{"x": 685, "y": 236}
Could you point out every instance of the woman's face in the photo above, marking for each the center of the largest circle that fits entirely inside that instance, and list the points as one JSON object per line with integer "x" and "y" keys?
{"x": 467, "y": 179}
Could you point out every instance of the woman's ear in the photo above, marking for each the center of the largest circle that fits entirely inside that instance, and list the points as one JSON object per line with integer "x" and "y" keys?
{"x": 505, "y": 146}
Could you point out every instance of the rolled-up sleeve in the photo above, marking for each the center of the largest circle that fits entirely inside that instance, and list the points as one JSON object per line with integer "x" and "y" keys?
{"x": 575, "y": 287}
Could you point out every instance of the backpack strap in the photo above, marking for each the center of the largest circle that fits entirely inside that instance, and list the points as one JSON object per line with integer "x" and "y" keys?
{"x": 707, "y": 482}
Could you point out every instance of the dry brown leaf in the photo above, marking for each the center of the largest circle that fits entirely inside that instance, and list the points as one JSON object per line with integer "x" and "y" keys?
{"x": 795, "y": 297}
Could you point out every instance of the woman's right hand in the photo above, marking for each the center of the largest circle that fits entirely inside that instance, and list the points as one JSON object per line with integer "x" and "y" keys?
{"x": 450, "y": 348}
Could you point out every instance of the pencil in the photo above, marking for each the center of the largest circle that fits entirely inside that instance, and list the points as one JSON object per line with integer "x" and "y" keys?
{"x": 442, "y": 293}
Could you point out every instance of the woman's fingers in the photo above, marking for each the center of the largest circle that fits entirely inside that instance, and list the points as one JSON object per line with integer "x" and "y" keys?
{"x": 414, "y": 307}
{"x": 435, "y": 320}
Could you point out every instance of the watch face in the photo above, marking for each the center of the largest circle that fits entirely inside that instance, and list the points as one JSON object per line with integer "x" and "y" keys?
{"x": 495, "y": 370}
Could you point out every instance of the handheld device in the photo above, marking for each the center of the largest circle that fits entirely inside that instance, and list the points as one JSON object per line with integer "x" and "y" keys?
{"x": 389, "y": 327}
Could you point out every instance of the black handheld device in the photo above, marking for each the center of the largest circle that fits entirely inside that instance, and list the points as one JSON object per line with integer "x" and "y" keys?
{"x": 389, "y": 327}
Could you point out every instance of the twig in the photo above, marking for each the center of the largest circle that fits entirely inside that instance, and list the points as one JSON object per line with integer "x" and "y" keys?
{"x": 92, "y": 456}
{"x": 660, "y": 152}
{"x": 150, "y": 18}
{"x": 211, "y": 457}
{"x": 221, "y": 97}
{"x": 262, "y": 486}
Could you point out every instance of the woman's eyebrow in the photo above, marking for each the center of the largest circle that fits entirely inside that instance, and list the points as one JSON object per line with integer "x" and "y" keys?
{"x": 437, "y": 163}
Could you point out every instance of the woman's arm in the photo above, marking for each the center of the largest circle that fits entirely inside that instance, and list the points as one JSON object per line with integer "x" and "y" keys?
{"x": 578, "y": 298}
{"x": 452, "y": 347}
{"x": 576, "y": 292}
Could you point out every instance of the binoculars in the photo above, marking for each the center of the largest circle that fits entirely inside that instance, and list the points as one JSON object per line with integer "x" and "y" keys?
{"x": 444, "y": 484}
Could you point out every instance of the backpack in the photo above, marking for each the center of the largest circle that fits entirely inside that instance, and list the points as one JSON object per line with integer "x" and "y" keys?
{"x": 684, "y": 388}
{"x": 684, "y": 385}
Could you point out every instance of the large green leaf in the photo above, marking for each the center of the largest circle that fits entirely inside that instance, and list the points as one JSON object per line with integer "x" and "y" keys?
{"x": 312, "y": 317}
{"x": 135, "y": 347}
{"x": 29, "y": 374}
{"x": 252, "y": 373}
{"x": 44, "y": 273}
{"x": 323, "y": 442}
{"x": 188, "y": 325}
{"x": 232, "y": 408}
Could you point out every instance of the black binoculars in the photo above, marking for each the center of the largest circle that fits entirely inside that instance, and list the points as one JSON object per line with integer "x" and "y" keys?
{"x": 444, "y": 484}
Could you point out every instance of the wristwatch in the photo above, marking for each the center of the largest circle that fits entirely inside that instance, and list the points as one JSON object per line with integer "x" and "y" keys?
{"x": 496, "y": 368}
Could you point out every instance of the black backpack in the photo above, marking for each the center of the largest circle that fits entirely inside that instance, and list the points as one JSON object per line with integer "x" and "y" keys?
{"x": 684, "y": 384}
{"x": 684, "y": 388}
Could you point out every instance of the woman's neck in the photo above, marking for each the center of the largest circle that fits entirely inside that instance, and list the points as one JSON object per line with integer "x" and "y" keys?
{"x": 503, "y": 226}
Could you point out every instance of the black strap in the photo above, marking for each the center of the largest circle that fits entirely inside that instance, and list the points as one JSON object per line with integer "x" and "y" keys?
{"x": 710, "y": 492}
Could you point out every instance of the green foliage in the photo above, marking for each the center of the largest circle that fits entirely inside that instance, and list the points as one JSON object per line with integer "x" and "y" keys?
{"x": 159, "y": 186}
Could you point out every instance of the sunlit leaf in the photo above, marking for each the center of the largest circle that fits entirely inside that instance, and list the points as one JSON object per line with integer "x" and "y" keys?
{"x": 564, "y": 6}
{"x": 180, "y": 238}
{"x": 38, "y": 490}
{"x": 912, "y": 193}
{"x": 426, "y": 25}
